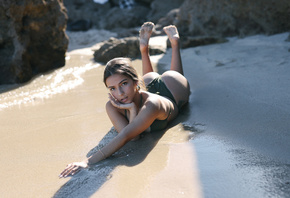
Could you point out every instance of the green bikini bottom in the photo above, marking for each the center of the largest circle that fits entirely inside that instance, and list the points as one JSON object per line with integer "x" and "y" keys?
{"x": 157, "y": 86}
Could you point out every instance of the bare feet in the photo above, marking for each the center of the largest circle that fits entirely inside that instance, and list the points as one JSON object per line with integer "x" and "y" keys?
{"x": 145, "y": 33}
{"x": 172, "y": 34}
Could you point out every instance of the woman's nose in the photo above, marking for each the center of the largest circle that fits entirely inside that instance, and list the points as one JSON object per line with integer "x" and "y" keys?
{"x": 120, "y": 91}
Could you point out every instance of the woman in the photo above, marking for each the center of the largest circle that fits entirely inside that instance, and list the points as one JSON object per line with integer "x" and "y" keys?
{"x": 132, "y": 110}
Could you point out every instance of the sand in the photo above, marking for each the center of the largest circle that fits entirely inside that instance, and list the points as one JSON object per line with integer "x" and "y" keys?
{"x": 232, "y": 140}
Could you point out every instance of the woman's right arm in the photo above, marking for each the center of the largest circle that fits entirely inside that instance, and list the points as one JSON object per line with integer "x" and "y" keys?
{"x": 118, "y": 120}
{"x": 141, "y": 122}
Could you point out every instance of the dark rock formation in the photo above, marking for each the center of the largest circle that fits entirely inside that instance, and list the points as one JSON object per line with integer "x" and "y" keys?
{"x": 127, "y": 47}
{"x": 233, "y": 17}
{"x": 169, "y": 19}
{"x": 86, "y": 10}
{"x": 160, "y": 8}
{"x": 288, "y": 39}
{"x": 111, "y": 17}
{"x": 80, "y": 25}
{"x": 193, "y": 17}
{"x": 122, "y": 18}
{"x": 32, "y": 38}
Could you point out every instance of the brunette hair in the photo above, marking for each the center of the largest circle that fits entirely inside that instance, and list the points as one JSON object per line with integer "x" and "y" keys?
{"x": 122, "y": 66}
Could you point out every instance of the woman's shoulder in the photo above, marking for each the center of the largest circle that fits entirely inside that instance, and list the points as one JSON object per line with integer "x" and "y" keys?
{"x": 150, "y": 97}
{"x": 157, "y": 104}
{"x": 154, "y": 100}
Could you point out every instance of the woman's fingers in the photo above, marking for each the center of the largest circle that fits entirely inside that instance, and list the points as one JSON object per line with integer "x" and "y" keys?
{"x": 64, "y": 172}
{"x": 114, "y": 101}
{"x": 119, "y": 105}
{"x": 71, "y": 169}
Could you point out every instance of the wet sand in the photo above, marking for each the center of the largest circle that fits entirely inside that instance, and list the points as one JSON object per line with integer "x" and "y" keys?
{"x": 232, "y": 140}
{"x": 42, "y": 130}
{"x": 240, "y": 103}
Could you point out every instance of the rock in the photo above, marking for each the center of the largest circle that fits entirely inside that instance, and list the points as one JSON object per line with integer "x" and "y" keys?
{"x": 126, "y": 32}
{"x": 79, "y": 25}
{"x": 144, "y": 2}
{"x": 160, "y": 8}
{"x": 32, "y": 38}
{"x": 110, "y": 16}
{"x": 233, "y": 17}
{"x": 169, "y": 19}
{"x": 192, "y": 17}
{"x": 122, "y": 18}
{"x": 86, "y": 10}
{"x": 288, "y": 39}
{"x": 187, "y": 42}
{"x": 110, "y": 49}
{"x": 114, "y": 3}
{"x": 107, "y": 16}
{"x": 126, "y": 47}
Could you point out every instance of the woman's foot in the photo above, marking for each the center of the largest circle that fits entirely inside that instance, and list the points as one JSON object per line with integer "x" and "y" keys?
{"x": 172, "y": 34}
{"x": 144, "y": 34}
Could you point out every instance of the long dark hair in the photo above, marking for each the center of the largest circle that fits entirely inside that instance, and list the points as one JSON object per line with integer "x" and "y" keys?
{"x": 122, "y": 66}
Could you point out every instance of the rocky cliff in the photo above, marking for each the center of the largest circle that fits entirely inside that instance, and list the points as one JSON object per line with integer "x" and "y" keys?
{"x": 233, "y": 17}
{"x": 32, "y": 38}
{"x": 193, "y": 17}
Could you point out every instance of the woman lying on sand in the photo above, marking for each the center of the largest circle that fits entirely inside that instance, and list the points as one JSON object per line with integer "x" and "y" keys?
{"x": 133, "y": 110}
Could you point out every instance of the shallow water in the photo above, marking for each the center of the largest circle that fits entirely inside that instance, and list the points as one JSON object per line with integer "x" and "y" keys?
{"x": 45, "y": 86}
{"x": 39, "y": 120}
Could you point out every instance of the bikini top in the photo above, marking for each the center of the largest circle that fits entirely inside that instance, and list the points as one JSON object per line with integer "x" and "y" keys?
{"x": 157, "y": 125}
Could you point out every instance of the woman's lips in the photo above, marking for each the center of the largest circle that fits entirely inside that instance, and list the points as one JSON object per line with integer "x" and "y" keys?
{"x": 124, "y": 100}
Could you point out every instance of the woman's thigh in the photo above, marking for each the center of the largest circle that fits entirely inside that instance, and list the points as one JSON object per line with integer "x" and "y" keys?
{"x": 178, "y": 86}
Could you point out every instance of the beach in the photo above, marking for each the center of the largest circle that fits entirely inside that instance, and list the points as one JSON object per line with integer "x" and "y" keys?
{"x": 231, "y": 140}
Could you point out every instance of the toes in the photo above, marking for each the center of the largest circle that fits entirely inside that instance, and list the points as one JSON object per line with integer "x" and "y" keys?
{"x": 145, "y": 33}
{"x": 147, "y": 27}
{"x": 171, "y": 31}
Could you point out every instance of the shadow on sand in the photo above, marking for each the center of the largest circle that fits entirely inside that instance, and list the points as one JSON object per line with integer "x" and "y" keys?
{"x": 89, "y": 181}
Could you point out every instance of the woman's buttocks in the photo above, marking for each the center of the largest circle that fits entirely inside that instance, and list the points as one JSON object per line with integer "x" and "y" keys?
{"x": 177, "y": 85}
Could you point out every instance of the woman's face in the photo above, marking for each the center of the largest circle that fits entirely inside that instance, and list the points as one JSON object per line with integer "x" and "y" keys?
{"x": 122, "y": 87}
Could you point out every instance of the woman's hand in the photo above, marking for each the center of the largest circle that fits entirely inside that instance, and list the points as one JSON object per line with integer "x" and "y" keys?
{"x": 73, "y": 168}
{"x": 117, "y": 104}
{"x": 131, "y": 107}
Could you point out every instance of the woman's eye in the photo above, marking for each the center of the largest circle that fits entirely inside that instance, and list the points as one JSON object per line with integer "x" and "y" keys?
{"x": 124, "y": 83}
{"x": 112, "y": 89}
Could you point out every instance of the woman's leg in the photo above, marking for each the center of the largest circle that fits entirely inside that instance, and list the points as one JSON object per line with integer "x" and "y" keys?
{"x": 173, "y": 36}
{"x": 145, "y": 33}
{"x": 174, "y": 79}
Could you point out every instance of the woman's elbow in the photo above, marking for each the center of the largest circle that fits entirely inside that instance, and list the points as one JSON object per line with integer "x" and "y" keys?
{"x": 108, "y": 106}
